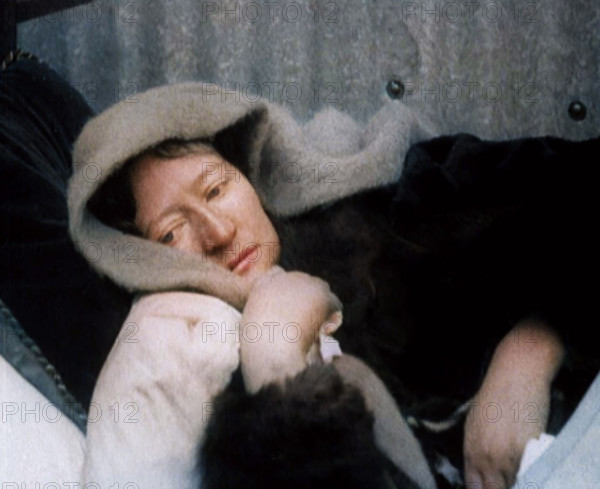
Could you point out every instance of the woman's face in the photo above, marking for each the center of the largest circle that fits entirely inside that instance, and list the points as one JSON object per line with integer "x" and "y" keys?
{"x": 202, "y": 204}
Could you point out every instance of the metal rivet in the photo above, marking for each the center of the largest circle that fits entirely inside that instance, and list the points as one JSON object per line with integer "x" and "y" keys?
{"x": 395, "y": 89}
{"x": 577, "y": 110}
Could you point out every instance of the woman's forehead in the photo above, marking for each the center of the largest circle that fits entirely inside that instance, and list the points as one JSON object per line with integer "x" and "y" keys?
{"x": 164, "y": 170}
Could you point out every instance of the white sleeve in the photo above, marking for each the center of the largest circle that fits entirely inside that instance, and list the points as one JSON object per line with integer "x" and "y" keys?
{"x": 174, "y": 353}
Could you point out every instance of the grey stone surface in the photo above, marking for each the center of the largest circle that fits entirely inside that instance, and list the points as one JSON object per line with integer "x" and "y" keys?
{"x": 496, "y": 69}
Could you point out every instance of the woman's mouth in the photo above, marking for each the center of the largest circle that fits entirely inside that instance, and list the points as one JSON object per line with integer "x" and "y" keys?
{"x": 245, "y": 260}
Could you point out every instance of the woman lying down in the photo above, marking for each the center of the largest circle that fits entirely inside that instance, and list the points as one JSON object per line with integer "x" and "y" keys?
{"x": 464, "y": 284}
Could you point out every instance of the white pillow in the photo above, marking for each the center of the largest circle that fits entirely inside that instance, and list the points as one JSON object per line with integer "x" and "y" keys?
{"x": 38, "y": 443}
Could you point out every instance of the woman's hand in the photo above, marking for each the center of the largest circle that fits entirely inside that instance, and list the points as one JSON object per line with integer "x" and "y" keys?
{"x": 281, "y": 321}
{"x": 512, "y": 405}
{"x": 505, "y": 414}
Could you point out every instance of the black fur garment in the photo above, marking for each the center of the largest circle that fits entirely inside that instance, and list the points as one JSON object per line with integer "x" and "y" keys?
{"x": 432, "y": 271}
{"x": 314, "y": 432}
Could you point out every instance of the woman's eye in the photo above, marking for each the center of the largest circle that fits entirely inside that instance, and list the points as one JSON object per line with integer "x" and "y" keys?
{"x": 167, "y": 238}
{"x": 213, "y": 192}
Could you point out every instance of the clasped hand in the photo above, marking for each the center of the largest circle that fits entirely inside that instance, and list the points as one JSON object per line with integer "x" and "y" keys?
{"x": 289, "y": 309}
{"x": 512, "y": 405}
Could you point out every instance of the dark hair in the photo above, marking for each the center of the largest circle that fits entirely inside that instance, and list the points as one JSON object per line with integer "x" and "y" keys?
{"x": 114, "y": 204}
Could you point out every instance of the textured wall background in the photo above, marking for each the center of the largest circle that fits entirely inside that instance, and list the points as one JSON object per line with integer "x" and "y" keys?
{"x": 496, "y": 69}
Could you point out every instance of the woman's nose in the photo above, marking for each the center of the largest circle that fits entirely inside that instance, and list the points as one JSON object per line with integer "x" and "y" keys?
{"x": 217, "y": 231}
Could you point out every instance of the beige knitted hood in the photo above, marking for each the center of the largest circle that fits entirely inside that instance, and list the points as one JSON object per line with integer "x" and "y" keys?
{"x": 293, "y": 167}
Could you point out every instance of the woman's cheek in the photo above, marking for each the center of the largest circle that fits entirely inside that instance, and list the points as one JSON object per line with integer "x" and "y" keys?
{"x": 188, "y": 241}
{"x": 232, "y": 201}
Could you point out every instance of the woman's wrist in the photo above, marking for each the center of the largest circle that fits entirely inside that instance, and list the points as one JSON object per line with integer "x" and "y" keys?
{"x": 270, "y": 354}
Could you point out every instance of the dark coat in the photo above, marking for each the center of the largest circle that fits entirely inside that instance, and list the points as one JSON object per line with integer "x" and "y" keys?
{"x": 435, "y": 269}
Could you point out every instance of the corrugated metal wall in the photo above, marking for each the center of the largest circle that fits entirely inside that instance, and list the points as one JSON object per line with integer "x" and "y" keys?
{"x": 496, "y": 69}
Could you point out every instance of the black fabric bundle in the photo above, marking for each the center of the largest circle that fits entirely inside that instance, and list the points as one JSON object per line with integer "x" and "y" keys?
{"x": 70, "y": 312}
{"x": 433, "y": 271}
